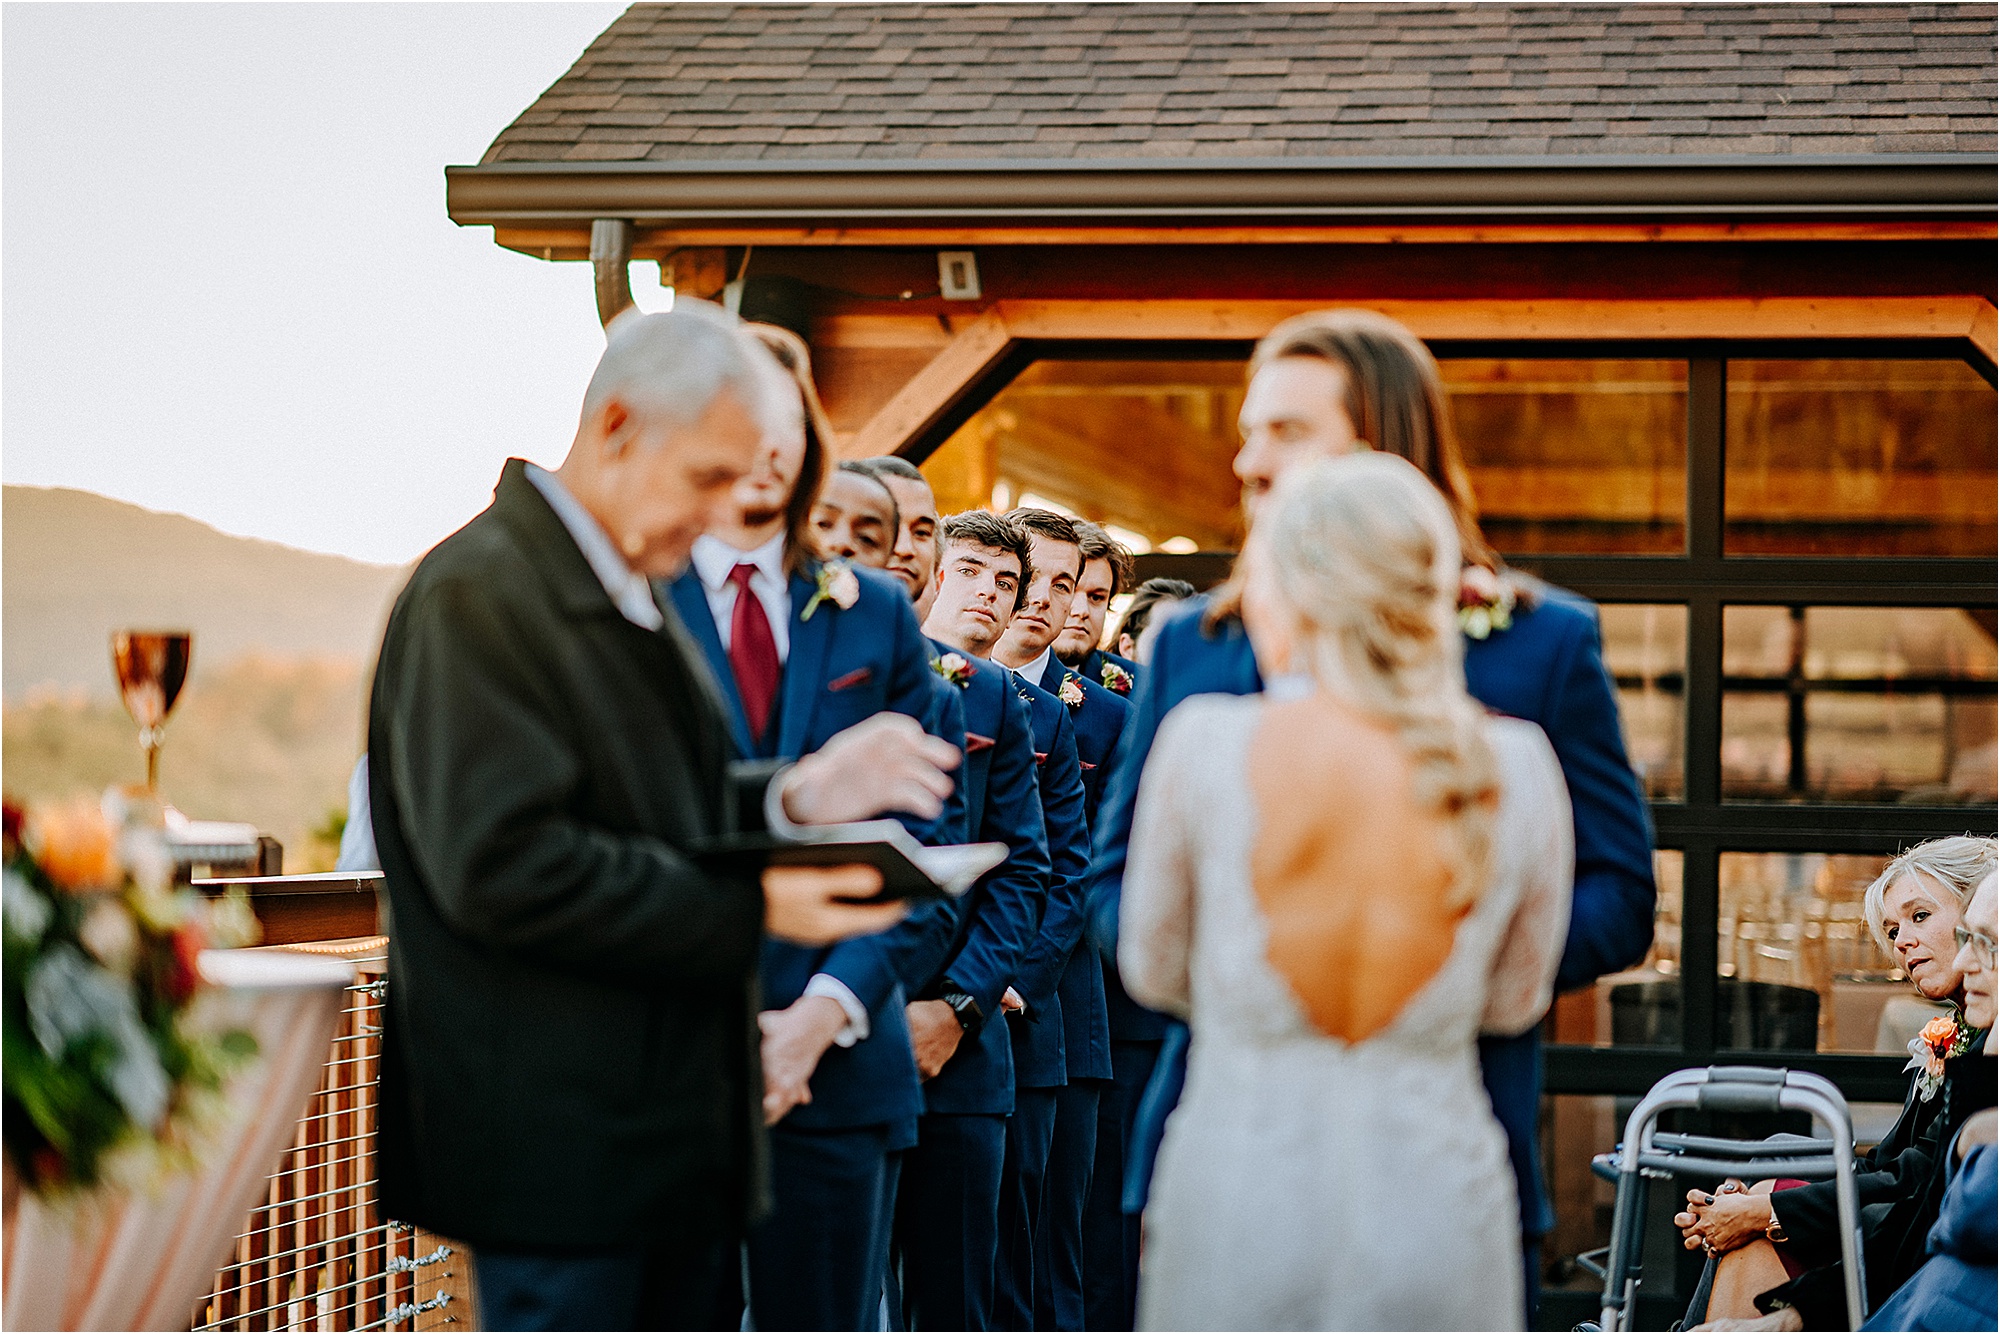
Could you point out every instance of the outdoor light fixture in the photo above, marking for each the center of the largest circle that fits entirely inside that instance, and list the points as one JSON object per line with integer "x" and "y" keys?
{"x": 958, "y": 275}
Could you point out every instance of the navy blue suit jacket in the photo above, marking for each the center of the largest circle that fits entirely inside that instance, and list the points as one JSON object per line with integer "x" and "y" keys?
{"x": 1086, "y": 1012}
{"x": 845, "y": 665}
{"x": 1548, "y": 668}
{"x": 980, "y": 948}
{"x": 1038, "y": 1032}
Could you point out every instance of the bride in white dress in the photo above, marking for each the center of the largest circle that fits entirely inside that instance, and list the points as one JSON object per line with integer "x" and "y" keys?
{"x": 1342, "y": 883}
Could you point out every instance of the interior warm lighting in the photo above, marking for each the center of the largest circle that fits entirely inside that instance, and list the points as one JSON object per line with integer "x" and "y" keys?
{"x": 1137, "y": 543}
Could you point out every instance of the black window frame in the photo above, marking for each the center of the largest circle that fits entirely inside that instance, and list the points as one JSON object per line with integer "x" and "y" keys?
{"x": 1701, "y": 825}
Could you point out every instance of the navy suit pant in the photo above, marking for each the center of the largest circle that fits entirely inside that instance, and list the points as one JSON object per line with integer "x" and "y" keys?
{"x": 816, "y": 1261}
{"x": 1110, "y": 1235}
{"x": 1059, "y": 1240}
{"x": 1031, "y": 1132}
{"x": 667, "y": 1285}
{"x": 947, "y": 1211}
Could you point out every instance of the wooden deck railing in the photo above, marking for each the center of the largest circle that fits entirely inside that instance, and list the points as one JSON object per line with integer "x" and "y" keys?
{"x": 318, "y": 1254}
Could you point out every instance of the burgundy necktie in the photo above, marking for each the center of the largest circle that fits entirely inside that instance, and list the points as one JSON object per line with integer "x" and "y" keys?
{"x": 753, "y": 653}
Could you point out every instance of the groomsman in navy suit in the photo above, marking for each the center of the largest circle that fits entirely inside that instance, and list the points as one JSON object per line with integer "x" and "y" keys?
{"x": 948, "y": 1201}
{"x": 854, "y": 518}
{"x": 802, "y": 650}
{"x": 1110, "y": 1235}
{"x": 1543, "y": 664}
{"x": 1107, "y": 571}
{"x": 1034, "y": 1004}
{"x": 1098, "y": 717}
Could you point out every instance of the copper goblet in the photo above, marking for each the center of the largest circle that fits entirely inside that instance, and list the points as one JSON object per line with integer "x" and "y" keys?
{"x": 152, "y": 666}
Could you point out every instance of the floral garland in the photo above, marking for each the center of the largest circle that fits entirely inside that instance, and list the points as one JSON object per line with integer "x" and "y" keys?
{"x": 1070, "y": 692}
{"x": 1115, "y": 678}
{"x": 953, "y": 668}
{"x": 837, "y": 584}
{"x": 101, "y": 954}
{"x": 1943, "y": 1038}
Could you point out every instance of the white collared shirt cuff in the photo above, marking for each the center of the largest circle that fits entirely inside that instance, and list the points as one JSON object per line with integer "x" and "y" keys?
{"x": 776, "y": 822}
{"x": 826, "y": 984}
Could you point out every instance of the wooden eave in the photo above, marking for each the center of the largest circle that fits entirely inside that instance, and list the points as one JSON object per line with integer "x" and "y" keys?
{"x": 546, "y": 209}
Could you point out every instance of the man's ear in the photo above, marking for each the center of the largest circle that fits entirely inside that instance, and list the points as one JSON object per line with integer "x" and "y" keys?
{"x": 614, "y": 422}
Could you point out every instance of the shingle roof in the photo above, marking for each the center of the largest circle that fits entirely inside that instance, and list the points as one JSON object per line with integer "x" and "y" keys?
{"x": 739, "y": 83}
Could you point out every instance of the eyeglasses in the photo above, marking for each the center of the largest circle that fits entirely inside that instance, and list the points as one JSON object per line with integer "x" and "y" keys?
{"x": 1981, "y": 942}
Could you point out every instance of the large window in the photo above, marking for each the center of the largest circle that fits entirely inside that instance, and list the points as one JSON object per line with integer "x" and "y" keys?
{"x": 1794, "y": 554}
{"x": 1793, "y": 549}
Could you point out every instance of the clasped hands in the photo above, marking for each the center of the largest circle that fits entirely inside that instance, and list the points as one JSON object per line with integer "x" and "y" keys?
{"x": 1721, "y": 1222}
{"x": 885, "y": 764}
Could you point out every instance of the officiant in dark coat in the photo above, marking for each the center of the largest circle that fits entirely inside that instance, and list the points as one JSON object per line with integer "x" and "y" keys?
{"x": 570, "y": 1073}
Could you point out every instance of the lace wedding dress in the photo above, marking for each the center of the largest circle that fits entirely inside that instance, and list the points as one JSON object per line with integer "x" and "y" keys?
{"x": 1307, "y": 1182}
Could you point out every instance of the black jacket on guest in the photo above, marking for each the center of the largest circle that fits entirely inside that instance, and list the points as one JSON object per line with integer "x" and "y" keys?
{"x": 570, "y": 1055}
{"x": 1901, "y": 1186}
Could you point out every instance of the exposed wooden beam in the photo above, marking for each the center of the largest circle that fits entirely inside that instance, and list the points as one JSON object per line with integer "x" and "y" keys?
{"x": 1484, "y": 320}
{"x": 1983, "y": 333}
{"x": 934, "y": 389}
{"x": 974, "y": 350}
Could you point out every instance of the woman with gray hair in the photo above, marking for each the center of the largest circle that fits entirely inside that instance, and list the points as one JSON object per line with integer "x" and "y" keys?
{"x": 1774, "y": 1237}
{"x": 1342, "y": 883}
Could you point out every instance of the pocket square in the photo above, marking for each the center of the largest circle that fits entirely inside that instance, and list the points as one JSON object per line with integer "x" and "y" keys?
{"x": 974, "y": 743}
{"x": 860, "y": 676}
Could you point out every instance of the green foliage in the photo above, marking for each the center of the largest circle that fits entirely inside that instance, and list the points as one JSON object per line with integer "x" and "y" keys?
{"x": 63, "y": 1117}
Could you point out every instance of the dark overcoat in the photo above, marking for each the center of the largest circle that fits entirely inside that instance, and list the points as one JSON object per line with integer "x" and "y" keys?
{"x": 570, "y": 1052}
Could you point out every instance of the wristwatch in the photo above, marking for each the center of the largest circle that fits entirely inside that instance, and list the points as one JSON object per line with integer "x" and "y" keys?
{"x": 965, "y": 1007}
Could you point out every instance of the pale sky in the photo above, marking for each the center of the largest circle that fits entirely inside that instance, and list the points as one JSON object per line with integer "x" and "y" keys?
{"x": 228, "y": 287}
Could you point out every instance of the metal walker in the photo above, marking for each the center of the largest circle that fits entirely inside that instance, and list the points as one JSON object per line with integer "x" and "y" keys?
{"x": 1646, "y": 1155}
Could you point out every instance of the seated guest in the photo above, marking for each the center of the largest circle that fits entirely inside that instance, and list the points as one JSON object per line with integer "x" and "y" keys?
{"x": 1149, "y": 606}
{"x": 854, "y": 518}
{"x": 801, "y": 651}
{"x": 568, "y": 1076}
{"x": 1954, "y": 1289}
{"x": 1779, "y": 1242}
{"x": 1107, "y": 572}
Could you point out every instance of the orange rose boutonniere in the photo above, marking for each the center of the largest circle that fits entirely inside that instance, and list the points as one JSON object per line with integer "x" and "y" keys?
{"x": 1941, "y": 1039}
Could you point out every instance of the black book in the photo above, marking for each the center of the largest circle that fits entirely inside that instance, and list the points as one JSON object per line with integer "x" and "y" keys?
{"x": 909, "y": 869}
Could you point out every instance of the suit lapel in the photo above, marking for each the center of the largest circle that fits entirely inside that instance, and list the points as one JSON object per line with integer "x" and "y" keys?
{"x": 691, "y": 601}
{"x": 805, "y": 666}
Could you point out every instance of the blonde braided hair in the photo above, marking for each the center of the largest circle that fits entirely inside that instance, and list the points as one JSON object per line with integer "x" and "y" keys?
{"x": 1364, "y": 552}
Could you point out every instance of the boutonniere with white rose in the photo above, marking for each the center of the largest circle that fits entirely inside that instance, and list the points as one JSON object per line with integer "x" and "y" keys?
{"x": 1070, "y": 692}
{"x": 1485, "y": 602}
{"x": 838, "y": 584}
{"x": 953, "y": 668}
{"x": 1941, "y": 1039}
{"x": 1116, "y": 679}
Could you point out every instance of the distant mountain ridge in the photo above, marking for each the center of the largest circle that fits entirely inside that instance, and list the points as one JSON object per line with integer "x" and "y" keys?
{"x": 78, "y": 566}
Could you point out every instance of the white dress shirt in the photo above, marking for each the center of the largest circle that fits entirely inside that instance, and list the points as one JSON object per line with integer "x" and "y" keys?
{"x": 1036, "y": 670}
{"x": 628, "y": 589}
{"x": 714, "y": 559}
